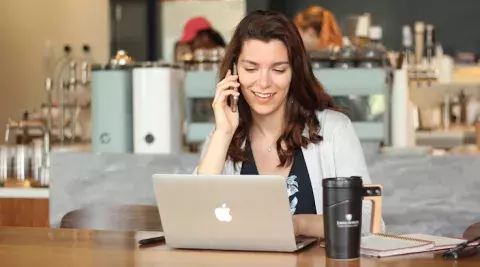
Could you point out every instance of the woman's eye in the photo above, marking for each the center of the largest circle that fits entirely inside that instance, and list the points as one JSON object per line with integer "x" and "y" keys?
{"x": 279, "y": 70}
{"x": 249, "y": 69}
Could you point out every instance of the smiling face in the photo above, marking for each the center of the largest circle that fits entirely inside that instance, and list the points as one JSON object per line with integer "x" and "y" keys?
{"x": 265, "y": 74}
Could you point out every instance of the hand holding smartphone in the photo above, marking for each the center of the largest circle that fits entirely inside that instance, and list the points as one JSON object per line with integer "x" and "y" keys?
{"x": 226, "y": 100}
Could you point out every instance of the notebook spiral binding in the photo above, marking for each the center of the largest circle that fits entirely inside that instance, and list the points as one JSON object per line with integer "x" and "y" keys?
{"x": 402, "y": 238}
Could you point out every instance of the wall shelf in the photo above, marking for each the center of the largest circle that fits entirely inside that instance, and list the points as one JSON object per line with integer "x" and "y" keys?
{"x": 337, "y": 82}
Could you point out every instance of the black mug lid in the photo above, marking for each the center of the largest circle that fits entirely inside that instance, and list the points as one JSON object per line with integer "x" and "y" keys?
{"x": 343, "y": 182}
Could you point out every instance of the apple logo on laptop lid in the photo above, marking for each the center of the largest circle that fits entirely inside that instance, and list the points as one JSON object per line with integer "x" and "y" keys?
{"x": 223, "y": 213}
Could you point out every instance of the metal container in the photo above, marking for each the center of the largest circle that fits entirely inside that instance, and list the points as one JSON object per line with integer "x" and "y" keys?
{"x": 345, "y": 57}
{"x": 37, "y": 160}
{"x": 200, "y": 57}
{"x": 5, "y": 163}
{"x": 112, "y": 106}
{"x": 21, "y": 162}
{"x": 157, "y": 107}
{"x": 43, "y": 176}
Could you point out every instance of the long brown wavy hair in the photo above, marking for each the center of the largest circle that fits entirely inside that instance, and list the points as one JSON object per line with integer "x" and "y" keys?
{"x": 306, "y": 95}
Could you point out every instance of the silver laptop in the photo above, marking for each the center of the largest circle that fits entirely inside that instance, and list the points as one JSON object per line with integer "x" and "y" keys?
{"x": 226, "y": 212}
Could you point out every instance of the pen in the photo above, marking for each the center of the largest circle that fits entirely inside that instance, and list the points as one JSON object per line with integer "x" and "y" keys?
{"x": 153, "y": 240}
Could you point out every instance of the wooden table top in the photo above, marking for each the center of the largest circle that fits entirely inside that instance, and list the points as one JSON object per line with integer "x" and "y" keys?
{"x": 66, "y": 247}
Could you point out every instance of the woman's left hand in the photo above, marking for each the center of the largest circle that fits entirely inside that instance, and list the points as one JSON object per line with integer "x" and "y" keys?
{"x": 308, "y": 225}
{"x": 296, "y": 224}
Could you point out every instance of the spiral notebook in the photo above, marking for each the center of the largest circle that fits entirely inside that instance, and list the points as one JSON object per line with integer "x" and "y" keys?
{"x": 384, "y": 245}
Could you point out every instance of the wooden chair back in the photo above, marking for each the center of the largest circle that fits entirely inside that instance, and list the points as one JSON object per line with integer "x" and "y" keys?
{"x": 472, "y": 231}
{"x": 114, "y": 217}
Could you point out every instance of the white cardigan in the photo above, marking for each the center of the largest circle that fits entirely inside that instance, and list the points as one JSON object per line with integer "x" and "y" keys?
{"x": 340, "y": 154}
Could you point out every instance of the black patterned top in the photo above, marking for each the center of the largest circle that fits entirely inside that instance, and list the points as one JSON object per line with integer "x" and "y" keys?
{"x": 299, "y": 187}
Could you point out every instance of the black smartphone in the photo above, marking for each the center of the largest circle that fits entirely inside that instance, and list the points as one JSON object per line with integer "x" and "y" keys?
{"x": 234, "y": 99}
{"x": 152, "y": 240}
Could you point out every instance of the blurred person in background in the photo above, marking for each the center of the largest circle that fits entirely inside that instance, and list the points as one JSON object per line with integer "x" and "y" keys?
{"x": 197, "y": 33}
{"x": 318, "y": 28}
{"x": 207, "y": 39}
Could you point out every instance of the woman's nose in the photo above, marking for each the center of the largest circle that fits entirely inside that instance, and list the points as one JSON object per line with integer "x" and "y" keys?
{"x": 265, "y": 79}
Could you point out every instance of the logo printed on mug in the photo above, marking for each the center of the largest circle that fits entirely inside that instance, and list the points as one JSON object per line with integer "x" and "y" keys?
{"x": 348, "y": 222}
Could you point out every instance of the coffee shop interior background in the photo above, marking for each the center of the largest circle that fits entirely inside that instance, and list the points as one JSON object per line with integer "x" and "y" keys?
{"x": 147, "y": 30}
{"x": 88, "y": 139}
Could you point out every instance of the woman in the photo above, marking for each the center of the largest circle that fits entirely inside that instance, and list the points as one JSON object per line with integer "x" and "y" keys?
{"x": 318, "y": 28}
{"x": 285, "y": 125}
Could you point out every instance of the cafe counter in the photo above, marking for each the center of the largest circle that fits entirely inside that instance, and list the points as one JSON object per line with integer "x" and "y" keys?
{"x": 24, "y": 193}
{"x": 427, "y": 194}
{"x": 28, "y": 207}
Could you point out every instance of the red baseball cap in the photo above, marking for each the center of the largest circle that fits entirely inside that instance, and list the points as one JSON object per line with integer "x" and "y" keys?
{"x": 193, "y": 26}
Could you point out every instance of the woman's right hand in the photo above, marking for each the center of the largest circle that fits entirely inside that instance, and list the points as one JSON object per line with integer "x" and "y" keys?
{"x": 226, "y": 121}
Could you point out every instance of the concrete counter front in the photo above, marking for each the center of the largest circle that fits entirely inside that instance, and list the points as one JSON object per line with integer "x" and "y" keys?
{"x": 428, "y": 194}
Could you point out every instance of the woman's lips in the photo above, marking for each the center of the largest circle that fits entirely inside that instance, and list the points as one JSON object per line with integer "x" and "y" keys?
{"x": 264, "y": 97}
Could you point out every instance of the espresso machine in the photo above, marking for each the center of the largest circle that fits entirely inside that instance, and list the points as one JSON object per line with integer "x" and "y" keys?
{"x": 157, "y": 108}
{"x": 112, "y": 116}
